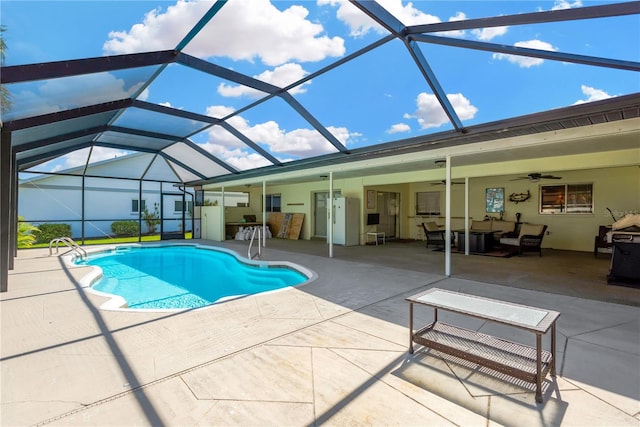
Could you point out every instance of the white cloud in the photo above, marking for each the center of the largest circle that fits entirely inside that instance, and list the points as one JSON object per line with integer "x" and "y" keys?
{"x": 59, "y": 94}
{"x": 431, "y": 115}
{"x": 459, "y": 16}
{"x": 564, "y": 4}
{"x": 158, "y": 30}
{"x": 286, "y": 146}
{"x": 486, "y": 34}
{"x": 144, "y": 95}
{"x": 592, "y": 94}
{"x": 241, "y": 30}
{"x": 359, "y": 24}
{"x": 79, "y": 158}
{"x": 298, "y": 142}
{"x": 398, "y": 128}
{"x": 280, "y": 76}
{"x": 407, "y": 14}
{"x": 526, "y": 61}
{"x": 238, "y": 158}
{"x": 99, "y": 154}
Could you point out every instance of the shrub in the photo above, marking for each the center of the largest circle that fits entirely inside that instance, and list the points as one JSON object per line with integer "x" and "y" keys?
{"x": 48, "y": 232}
{"x": 26, "y": 236}
{"x": 125, "y": 228}
{"x": 152, "y": 219}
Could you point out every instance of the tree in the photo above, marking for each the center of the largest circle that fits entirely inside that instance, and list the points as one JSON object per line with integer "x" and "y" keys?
{"x": 5, "y": 96}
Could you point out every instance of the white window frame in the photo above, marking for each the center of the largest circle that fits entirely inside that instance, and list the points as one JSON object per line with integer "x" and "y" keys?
{"x": 269, "y": 206}
{"x": 137, "y": 202}
{"x": 570, "y": 199}
{"x": 187, "y": 206}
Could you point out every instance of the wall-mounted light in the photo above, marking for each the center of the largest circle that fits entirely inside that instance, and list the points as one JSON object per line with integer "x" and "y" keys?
{"x": 324, "y": 176}
{"x": 440, "y": 163}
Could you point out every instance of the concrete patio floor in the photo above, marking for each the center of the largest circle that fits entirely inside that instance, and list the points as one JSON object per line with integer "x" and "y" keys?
{"x": 332, "y": 352}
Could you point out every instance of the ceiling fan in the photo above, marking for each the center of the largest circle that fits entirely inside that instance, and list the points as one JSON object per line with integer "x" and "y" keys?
{"x": 535, "y": 177}
{"x": 444, "y": 181}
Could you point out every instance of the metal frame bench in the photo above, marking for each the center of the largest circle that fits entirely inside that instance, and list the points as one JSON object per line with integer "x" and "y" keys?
{"x": 531, "y": 364}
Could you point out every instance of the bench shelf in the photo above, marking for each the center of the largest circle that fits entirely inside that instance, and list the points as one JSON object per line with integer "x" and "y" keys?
{"x": 503, "y": 356}
{"x": 531, "y": 364}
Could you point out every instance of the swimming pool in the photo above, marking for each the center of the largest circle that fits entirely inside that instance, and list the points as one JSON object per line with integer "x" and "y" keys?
{"x": 179, "y": 277}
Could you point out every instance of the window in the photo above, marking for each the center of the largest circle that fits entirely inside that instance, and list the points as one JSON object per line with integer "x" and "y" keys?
{"x": 134, "y": 205}
{"x": 566, "y": 199}
{"x": 199, "y": 196}
{"x": 232, "y": 199}
{"x": 273, "y": 203}
{"x": 428, "y": 203}
{"x": 177, "y": 206}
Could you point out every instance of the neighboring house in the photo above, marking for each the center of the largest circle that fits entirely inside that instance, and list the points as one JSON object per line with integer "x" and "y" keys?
{"x": 59, "y": 199}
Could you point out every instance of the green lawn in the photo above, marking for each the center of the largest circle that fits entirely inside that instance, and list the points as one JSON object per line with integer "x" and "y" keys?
{"x": 111, "y": 240}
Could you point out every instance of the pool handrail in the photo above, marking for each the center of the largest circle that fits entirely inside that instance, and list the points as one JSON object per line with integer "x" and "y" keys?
{"x": 253, "y": 235}
{"x": 69, "y": 242}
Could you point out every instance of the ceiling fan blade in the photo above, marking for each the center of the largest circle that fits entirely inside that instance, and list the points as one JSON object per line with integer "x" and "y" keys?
{"x": 443, "y": 182}
{"x": 520, "y": 178}
{"x": 550, "y": 177}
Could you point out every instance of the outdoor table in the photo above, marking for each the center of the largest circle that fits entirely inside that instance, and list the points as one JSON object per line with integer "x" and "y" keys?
{"x": 527, "y": 363}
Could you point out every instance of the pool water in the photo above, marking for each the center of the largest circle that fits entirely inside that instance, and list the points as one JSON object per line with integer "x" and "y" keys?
{"x": 183, "y": 277}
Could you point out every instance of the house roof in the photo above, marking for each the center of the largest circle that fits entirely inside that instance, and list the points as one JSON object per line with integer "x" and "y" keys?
{"x": 204, "y": 145}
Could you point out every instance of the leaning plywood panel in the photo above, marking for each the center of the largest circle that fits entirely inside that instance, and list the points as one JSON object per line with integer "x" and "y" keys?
{"x": 286, "y": 225}
{"x": 296, "y": 226}
{"x": 275, "y": 221}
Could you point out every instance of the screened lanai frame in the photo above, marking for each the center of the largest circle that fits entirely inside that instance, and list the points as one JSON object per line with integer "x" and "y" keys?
{"x": 171, "y": 130}
{"x": 33, "y": 135}
{"x": 76, "y": 198}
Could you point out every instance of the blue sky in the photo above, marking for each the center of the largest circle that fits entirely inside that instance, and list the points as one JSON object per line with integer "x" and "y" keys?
{"x": 379, "y": 97}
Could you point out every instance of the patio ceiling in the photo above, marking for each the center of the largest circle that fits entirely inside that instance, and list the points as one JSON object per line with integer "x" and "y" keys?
{"x": 194, "y": 146}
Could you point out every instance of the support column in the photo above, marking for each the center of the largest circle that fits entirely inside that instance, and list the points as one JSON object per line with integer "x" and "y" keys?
{"x": 140, "y": 211}
{"x": 13, "y": 212}
{"x": 264, "y": 214}
{"x": 466, "y": 215}
{"x": 330, "y": 215}
{"x": 223, "y": 218}
{"x": 82, "y": 211}
{"x": 447, "y": 220}
{"x": 5, "y": 208}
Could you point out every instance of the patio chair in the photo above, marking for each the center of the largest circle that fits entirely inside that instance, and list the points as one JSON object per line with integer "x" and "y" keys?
{"x": 529, "y": 239}
{"x": 433, "y": 234}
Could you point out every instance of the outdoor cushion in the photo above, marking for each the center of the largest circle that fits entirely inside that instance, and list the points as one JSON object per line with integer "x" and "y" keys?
{"x": 480, "y": 225}
{"x": 431, "y": 226}
{"x": 503, "y": 226}
{"x": 531, "y": 229}
{"x": 510, "y": 241}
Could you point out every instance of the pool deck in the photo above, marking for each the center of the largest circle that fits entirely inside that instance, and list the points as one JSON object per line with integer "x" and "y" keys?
{"x": 332, "y": 352}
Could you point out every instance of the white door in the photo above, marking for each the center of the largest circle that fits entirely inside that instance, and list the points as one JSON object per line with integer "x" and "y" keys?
{"x": 389, "y": 207}
{"x": 320, "y": 212}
